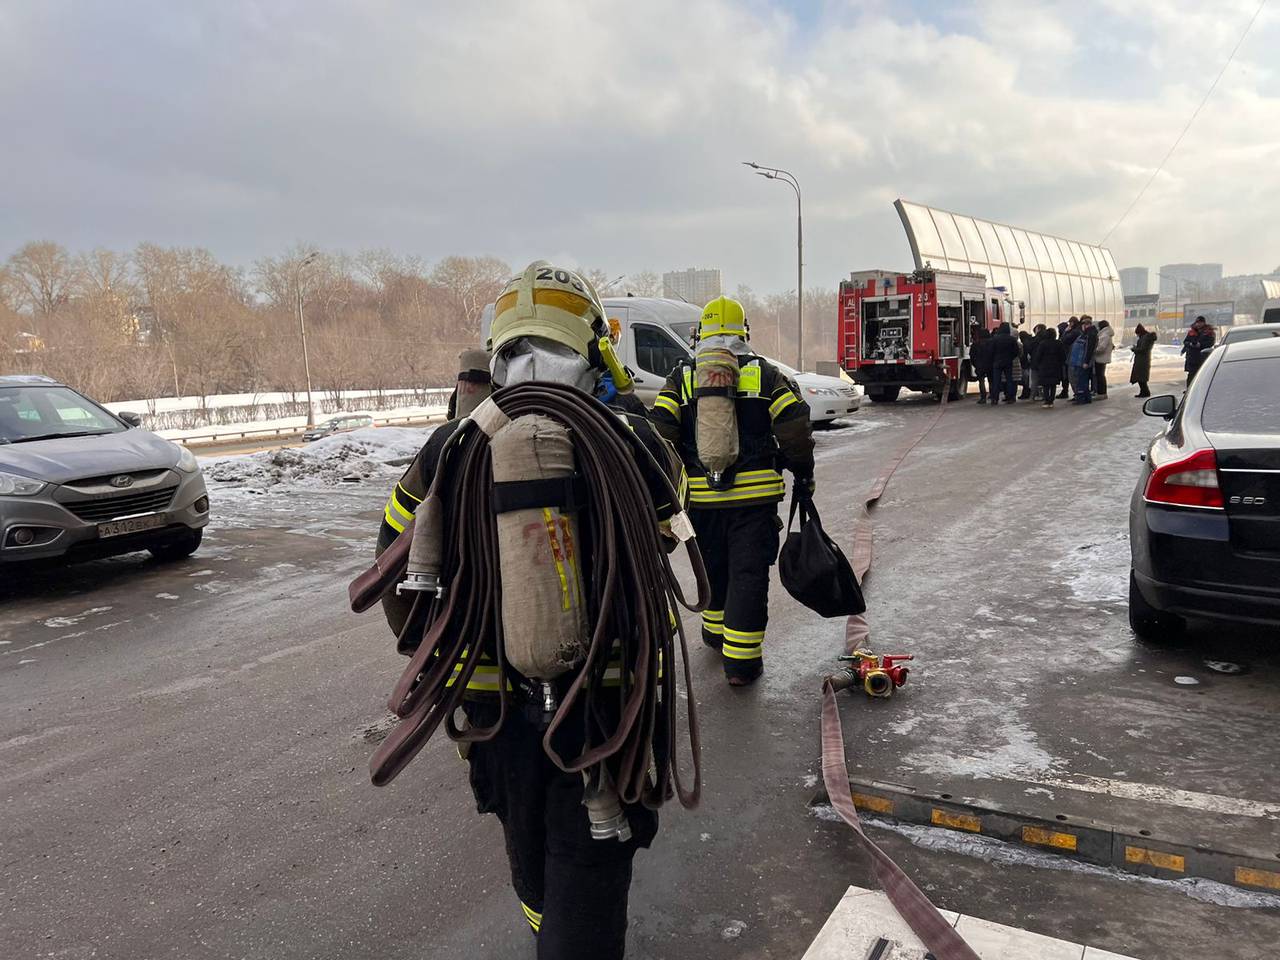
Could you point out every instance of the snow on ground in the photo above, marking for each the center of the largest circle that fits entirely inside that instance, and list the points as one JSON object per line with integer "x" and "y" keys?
{"x": 344, "y": 458}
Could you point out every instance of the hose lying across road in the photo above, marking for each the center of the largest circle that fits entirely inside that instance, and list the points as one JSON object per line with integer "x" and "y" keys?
{"x": 631, "y": 588}
{"x": 910, "y": 902}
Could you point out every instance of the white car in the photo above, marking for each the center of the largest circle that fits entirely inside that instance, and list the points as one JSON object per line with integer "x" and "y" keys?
{"x": 829, "y": 398}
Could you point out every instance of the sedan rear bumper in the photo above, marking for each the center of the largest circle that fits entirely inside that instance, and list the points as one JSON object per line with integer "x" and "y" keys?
{"x": 1211, "y": 601}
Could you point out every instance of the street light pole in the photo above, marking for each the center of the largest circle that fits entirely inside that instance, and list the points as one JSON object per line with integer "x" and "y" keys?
{"x": 302, "y": 327}
{"x": 776, "y": 173}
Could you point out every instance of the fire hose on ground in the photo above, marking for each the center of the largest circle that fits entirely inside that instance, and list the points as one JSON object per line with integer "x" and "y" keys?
{"x": 453, "y": 570}
{"x": 910, "y": 902}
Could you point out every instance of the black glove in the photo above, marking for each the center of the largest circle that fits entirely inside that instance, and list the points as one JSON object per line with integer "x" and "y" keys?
{"x": 803, "y": 488}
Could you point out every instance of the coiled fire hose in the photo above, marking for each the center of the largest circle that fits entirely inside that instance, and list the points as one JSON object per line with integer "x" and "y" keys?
{"x": 631, "y": 729}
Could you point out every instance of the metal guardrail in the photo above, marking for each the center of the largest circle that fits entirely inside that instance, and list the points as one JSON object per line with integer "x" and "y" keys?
{"x": 288, "y": 433}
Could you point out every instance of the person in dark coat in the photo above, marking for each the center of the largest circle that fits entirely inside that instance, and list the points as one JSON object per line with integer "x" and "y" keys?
{"x": 1142, "y": 359}
{"x": 1027, "y": 342}
{"x": 1004, "y": 348}
{"x": 1080, "y": 358}
{"x": 980, "y": 360}
{"x": 1048, "y": 362}
{"x": 1196, "y": 345}
{"x": 1067, "y": 338}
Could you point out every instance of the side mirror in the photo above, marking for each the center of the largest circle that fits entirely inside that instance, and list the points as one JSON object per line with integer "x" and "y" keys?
{"x": 1165, "y": 406}
{"x": 132, "y": 419}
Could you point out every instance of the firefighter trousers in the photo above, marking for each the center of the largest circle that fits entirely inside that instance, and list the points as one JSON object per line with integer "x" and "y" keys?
{"x": 572, "y": 889}
{"x": 739, "y": 545}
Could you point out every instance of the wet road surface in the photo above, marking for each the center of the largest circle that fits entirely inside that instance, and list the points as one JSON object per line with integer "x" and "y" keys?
{"x": 184, "y": 748}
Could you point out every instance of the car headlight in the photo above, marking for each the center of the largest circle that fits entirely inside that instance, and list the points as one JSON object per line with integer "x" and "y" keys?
{"x": 187, "y": 460}
{"x": 12, "y": 485}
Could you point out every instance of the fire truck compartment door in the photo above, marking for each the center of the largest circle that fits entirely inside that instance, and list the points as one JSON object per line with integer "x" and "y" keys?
{"x": 948, "y": 297}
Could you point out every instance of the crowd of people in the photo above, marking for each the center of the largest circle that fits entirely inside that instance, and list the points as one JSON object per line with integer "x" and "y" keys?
{"x": 1068, "y": 362}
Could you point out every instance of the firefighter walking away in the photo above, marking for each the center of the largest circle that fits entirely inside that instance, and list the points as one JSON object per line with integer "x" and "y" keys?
{"x": 535, "y": 602}
{"x": 737, "y": 422}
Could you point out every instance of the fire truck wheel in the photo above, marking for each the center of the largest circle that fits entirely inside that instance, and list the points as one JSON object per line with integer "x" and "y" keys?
{"x": 883, "y": 394}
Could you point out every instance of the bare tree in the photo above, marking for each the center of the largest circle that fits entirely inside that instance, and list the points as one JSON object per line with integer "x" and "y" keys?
{"x": 43, "y": 274}
{"x": 470, "y": 283}
{"x": 646, "y": 283}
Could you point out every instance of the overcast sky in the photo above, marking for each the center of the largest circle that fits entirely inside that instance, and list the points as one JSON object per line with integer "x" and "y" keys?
{"x": 610, "y": 133}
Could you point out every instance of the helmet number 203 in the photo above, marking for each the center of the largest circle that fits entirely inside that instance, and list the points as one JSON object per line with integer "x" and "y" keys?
{"x": 560, "y": 276}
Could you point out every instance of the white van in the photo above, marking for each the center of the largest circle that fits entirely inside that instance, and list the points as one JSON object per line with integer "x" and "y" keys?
{"x": 653, "y": 335}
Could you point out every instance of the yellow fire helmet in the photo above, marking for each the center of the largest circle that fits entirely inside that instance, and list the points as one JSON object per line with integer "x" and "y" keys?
{"x": 723, "y": 316}
{"x": 550, "y": 302}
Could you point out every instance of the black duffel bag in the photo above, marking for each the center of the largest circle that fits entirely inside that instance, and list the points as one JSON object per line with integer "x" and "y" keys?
{"x": 814, "y": 569}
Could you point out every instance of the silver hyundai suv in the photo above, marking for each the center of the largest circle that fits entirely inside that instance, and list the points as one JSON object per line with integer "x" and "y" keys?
{"x": 78, "y": 481}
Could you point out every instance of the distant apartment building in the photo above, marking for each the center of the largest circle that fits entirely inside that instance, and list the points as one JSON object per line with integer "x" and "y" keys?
{"x": 1189, "y": 281}
{"x": 694, "y": 285}
{"x": 1135, "y": 281}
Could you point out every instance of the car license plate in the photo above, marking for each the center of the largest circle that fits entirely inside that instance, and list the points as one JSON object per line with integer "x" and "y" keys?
{"x": 118, "y": 528}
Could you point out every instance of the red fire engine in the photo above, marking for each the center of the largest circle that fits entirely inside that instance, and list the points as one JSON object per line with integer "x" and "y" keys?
{"x": 913, "y": 330}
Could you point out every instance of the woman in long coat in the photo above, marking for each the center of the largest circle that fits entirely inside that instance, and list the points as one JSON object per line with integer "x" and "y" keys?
{"x": 1142, "y": 359}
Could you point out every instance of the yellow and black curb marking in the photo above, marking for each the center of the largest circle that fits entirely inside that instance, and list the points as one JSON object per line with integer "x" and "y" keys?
{"x": 1131, "y": 850}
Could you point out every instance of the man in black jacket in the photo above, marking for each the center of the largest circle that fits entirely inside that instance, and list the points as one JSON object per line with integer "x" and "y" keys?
{"x": 1196, "y": 345}
{"x": 1048, "y": 359}
{"x": 1004, "y": 348}
{"x": 1067, "y": 337}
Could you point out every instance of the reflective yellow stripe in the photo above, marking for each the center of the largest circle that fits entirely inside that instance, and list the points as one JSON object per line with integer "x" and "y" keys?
{"x": 784, "y": 401}
{"x": 395, "y": 507}
{"x": 742, "y": 653}
{"x": 392, "y": 522}
{"x": 669, "y": 405}
{"x": 761, "y": 492}
{"x": 743, "y": 644}
{"x": 532, "y": 915}
{"x": 715, "y": 616}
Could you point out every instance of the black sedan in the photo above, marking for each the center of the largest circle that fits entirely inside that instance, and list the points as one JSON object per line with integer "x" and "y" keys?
{"x": 1204, "y": 522}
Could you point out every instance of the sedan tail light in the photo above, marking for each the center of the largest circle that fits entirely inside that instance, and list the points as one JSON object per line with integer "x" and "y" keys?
{"x": 1190, "y": 481}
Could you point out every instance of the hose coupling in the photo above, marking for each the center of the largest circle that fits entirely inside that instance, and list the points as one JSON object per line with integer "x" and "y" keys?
{"x": 420, "y": 583}
{"x": 604, "y": 809}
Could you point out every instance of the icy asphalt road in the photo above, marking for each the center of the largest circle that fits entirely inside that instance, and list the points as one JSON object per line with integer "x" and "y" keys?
{"x": 183, "y": 749}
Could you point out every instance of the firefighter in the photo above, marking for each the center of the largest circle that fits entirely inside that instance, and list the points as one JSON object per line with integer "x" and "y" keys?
{"x": 752, "y": 422}
{"x": 572, "y": 888}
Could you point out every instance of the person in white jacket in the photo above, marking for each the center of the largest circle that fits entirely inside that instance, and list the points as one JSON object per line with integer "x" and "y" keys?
{"x": 1101, "y": 357}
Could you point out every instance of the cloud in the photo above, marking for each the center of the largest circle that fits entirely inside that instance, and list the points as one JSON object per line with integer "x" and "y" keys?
{"x": 614, "y": 130}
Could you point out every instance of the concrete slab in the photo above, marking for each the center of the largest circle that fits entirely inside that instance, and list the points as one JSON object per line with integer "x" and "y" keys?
{"x": 863, "y": 917}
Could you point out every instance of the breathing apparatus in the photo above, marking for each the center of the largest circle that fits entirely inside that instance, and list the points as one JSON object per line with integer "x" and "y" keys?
{"x": 722, "y": 339}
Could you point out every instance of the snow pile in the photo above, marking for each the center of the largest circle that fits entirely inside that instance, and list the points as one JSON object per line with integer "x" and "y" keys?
{"x": 344, "y": 458}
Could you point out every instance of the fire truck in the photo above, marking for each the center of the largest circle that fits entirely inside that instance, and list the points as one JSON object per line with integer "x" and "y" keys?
{"x": 914, "y": 330}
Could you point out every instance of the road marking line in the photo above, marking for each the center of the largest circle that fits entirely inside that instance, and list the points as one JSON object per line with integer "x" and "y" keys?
{"x": 956, "y": 821}
{"x": 1258, "y": 878}
{"x": 1210, "y": 802}
{"x": 1048, "y": 838}
{"x": 1157, "y": 858}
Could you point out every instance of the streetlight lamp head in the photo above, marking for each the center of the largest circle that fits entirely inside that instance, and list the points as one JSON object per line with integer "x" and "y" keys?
{"x": 753, "y": 166}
